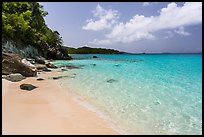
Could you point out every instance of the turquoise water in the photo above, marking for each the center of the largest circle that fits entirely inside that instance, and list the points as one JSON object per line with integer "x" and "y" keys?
{"x": 144, "y": 94}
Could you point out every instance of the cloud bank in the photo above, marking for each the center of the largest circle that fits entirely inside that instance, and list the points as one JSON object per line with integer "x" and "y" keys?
{"x": 140, "y": 27}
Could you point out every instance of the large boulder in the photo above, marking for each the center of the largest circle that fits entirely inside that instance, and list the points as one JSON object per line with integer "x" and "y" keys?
{"x": 13, "y": 63}
{"x": 27, "y": 63}
{"x": 15, "y": 77}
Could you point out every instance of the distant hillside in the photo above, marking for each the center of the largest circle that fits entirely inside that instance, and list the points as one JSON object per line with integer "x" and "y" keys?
{"x": 89, "y": 50}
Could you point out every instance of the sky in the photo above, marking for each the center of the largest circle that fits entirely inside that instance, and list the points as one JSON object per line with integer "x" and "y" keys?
{"x": 135, "y": 27}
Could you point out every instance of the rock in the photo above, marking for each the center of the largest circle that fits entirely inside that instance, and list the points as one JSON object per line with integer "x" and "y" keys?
{"x": 40, "y": 66}
{"x": 32, "y": 62}
{"x": 95, "y": 57}
{"x": 27, "y": 63}
{"x": 111, "y": 80}
{"x": 70, "y": 67}
{"x": 46, "y": 69}
{"x": 15, "y": 77}
{"x": 40, "y": 79}
{"x": 58, "y": 77}
{"x": 57, "y": 53}
{"x": 157, "y": 103}
{"x": 3, "y": 76}
{"x": 13, "y": 63}
{"x": 27, "y": 86}
{"x": 40, "y": 61}
{"x": 49, "y": 65}
{"x": 29, "y": 59}
{"x": 64, "y": 70}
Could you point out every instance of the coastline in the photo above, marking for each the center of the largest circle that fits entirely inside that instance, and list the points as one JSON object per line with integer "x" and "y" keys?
{"x": 48, "y": 109}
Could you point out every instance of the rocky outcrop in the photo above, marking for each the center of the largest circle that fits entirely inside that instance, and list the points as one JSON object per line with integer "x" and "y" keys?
{"x": 57, "y": 54}
{"x": 15, "y": 77}
{"x": 13, "y": 63}
{"x": 36, "y": 51}
{"x": 27, "y": 87}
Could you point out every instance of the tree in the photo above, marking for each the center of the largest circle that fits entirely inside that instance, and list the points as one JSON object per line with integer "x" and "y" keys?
{"x": 24, "y": 21}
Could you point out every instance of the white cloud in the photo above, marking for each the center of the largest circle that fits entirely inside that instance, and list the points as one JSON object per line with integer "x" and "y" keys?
{"x": 140, "y": 27}
{"x": 145, "y": 4}
{"x": 105, "y": 19}
{"x": 181, "y": 31}
{"x": 102, "y": 42}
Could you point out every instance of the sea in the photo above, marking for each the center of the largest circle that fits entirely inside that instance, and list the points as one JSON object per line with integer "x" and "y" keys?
{"x": 159, "y": 94}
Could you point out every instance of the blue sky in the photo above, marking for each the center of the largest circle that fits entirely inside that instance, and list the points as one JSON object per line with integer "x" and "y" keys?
{"x": 131, "y": 27}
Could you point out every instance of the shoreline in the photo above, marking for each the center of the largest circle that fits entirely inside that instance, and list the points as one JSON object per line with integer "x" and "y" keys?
{"x": 48, "y": 109}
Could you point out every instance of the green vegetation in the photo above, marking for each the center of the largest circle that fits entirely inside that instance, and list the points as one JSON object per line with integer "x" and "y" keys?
{"x": 23, "y": 22}
{"x": 88, "y": 50}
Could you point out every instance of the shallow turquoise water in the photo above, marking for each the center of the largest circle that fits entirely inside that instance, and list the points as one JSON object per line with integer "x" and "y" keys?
{"x": 148, "y": 94}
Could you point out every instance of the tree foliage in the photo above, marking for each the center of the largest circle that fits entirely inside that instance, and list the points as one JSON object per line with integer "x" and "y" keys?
{"x": 24, "y": 22}
{"x": 88, "y": 50}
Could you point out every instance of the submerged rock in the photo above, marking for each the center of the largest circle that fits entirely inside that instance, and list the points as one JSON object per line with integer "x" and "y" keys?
{"x": 15, "y": 77}
{"x": 71, "y": 67}
{"x": 73, "y": 75}
{"x": 157, "y": 103}
{"x": 27, "y": 87}
{"x": 111, "y": 80}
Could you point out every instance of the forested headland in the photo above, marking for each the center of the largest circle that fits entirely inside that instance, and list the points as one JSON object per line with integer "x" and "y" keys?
{"x": 25, "y": 32}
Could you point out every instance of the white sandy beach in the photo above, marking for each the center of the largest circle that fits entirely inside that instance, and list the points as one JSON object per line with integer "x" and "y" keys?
{"x": 47, "y": 109}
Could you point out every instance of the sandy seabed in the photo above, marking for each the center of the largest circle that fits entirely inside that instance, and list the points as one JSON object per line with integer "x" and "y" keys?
{"x": 48, "y": 109}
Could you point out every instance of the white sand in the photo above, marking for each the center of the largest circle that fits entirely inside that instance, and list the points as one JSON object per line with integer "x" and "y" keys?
{"x": 47, "y": 109}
